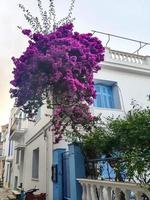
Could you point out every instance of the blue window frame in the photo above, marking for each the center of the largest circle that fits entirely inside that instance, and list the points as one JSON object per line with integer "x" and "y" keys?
{"x": 104, "y": 96}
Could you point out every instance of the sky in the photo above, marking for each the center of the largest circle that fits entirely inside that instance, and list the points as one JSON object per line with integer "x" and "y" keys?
{"x": 128, "y": 18}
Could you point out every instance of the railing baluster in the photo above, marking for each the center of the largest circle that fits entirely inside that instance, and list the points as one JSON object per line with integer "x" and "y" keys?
{"x": 127, "y": 194}
{"x": 106, "y": 190}
{"x": 138, "y": 195}
{"x": 93, "y": 192}
{"x": 84, "y": 192}
{"x": 101, "y": 194}
{"x": 88, "y": 187}
{"x": 111, "y": 55}
{"x": 117, "y": 194}
{"x": 115, "y": 55}
{"x": 109, "y": 193}
{"x": 127, "y": 57}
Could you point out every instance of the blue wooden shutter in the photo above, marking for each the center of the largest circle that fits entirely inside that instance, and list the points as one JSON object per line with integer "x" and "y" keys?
{"x": 98, "y": 100}
{"x": 104, "y": 96}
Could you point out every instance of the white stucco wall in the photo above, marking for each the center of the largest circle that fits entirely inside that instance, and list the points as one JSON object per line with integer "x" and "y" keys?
{"x": 35, "y": 127}
{"x": 45, "y": 162}
{"x": 130, "y": 86}
{"x": 29, "y": 182}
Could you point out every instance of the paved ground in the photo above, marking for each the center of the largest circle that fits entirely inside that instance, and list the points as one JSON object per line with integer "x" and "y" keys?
{"x": 4, "y": 193}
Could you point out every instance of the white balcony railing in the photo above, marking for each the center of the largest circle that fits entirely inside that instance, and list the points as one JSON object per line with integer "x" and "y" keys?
{"x": 18, "y": 129}
{"x": 108, "y": 190}
{"x": 127, "y": 58}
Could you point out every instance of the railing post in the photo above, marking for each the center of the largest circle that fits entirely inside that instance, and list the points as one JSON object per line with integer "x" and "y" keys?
{"x": 108, "y": 54}
{"x": 148, "y": 60}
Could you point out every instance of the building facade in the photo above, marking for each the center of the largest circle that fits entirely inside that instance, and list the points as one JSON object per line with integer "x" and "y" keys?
{"x": 2, "y": 161}
{"x": 124, "y": 78}
{"x": 3, "y": 149}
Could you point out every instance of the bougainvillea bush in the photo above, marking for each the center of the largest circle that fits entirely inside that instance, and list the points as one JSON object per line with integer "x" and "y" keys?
{"x": 62, "y": 64}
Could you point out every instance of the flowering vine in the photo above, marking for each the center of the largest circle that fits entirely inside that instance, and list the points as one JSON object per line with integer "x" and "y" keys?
{"x": 48, "y": 18}
{"x": 57, "y": 68}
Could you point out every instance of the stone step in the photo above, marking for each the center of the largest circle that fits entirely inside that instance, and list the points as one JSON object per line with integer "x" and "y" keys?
{"x": 4, "y": 198}
{"x": 11, "y": 197}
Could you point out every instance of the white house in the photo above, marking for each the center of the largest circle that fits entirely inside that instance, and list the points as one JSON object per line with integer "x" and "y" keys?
{"x": 32, "y": 158}
{"x": 3, "y": 146}
{"x": 123, "y": 77}
{"x": 7, "y": 155}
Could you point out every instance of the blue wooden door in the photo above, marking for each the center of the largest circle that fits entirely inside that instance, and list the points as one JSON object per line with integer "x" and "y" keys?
{"x": 66, "y": 176}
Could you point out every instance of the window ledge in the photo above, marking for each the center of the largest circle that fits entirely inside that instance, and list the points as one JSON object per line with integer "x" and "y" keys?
{"x": 100, "y": 108}
{"x": 35, "y": 179}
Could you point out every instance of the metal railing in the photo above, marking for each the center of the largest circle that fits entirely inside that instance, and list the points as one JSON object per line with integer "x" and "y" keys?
{"x": 103, "y": 168}
{"x": 109, "y": 35}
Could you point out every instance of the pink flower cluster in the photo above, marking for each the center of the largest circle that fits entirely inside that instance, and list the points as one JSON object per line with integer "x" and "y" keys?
{"x": 62, "y": 62}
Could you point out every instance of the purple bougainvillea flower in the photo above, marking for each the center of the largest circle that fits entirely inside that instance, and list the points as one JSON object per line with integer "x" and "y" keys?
{"x": 26, "y": 32}
{"x": 62, "y": 62}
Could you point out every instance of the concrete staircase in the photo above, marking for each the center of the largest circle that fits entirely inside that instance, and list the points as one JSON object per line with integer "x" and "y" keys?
{"x": 1, "y": 184}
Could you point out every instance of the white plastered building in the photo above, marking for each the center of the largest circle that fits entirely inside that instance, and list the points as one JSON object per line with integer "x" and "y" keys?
{"x": 123, "y": 77}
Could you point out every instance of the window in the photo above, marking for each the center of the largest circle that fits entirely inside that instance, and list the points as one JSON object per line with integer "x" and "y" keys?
{"x": 23, "y": 115}
{"x": 17, "y": 156}
{"x": 107, "y": 95}
{"x": 10, "y": 148}
{"x": 7, "y": 172}
{"x": 38, "y": 115}
{"x": 1, "y": 152}
{"x": 22, "y": 156}
{"x": 104, "y": 96}
{"x": 35, "y": 164}
{"x": 16, "y": 182}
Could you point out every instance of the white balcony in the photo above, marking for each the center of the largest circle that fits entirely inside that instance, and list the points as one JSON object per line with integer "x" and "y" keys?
{"x": 126, "y": 61}
{"x": 20, "y": 146}
{"x": 17, "y": 134}
{"x": 2, "y": 157}
{"x": 108, "y": 190}
{"x": 127, "y": 57}
{"x": 9, "y": 159}
{"x": 17, "y": 130}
